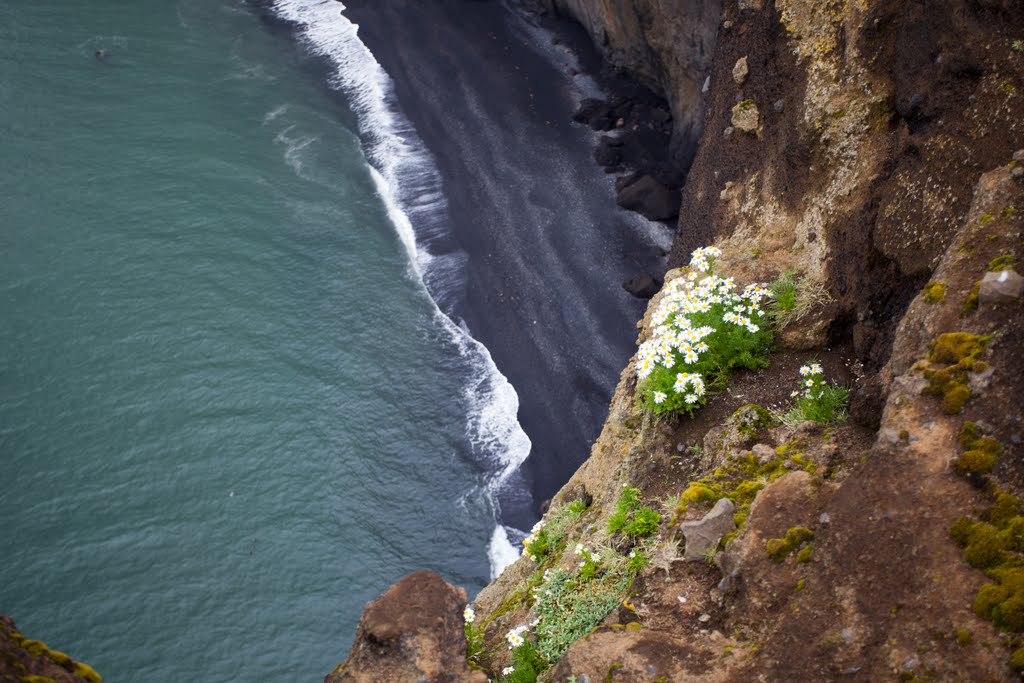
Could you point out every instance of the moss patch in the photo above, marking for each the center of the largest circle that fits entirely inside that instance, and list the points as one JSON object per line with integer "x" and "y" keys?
{"x": 980, "y": 452}
{"x": 1004, "y": 262}
{"x": 935, "y": 292}
{"x": 971, "y": 302}
{"x": 796, "y": 540}
{"x": 955, "y": 354}
{"x": 741, "y": 479}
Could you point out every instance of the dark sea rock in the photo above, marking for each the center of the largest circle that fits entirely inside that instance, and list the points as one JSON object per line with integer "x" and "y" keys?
{"x": 651, "y": 199}
{"x": 642, "y": 285}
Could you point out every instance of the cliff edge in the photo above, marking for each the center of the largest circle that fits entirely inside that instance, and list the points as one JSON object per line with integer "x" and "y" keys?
{"x": 870, "y": 155}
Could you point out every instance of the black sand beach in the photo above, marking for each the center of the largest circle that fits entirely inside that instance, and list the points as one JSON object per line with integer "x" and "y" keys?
{"x": 547, "y": 246}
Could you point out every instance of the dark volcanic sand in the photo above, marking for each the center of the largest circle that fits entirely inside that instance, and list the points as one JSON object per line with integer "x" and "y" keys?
{"x": 547, "y": 246}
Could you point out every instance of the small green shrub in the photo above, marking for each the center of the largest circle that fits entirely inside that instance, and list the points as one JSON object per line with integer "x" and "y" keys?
{"x": 644, "y": 523}
{"x": 631, "y": 518}
{"x": 547, "y": 536}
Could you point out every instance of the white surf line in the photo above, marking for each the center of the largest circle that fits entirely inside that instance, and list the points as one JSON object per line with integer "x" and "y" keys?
{"x": 407, "y": 181}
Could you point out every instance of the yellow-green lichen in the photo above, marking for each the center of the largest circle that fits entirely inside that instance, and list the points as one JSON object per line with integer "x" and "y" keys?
{"x": 1017, "y": 659}
{"x": 935, "y": 292}
{"x": 963, "y": 637}
{"x": 955, "y": 353}
{"x": 980, "y": 453}
{"x": 971, "y": 302}
{"x": 991, "y": 546}
{"x": 1004, "y": 262}
{"x": 796, "y": 539}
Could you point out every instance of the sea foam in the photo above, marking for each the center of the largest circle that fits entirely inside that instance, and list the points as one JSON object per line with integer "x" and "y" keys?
{"x": 408, "y": 182}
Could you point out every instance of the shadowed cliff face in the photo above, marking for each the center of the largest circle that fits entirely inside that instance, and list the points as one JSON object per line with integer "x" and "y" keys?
{"x": 665, "y": 44}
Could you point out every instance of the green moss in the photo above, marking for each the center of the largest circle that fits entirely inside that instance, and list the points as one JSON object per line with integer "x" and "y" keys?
{"x": 87, "y": 672}
{"x": 974, "y": 462}
{"x": 957, "y": 352}
{"x": 960, "y": 532}
{"x": 1010, "y": 614}
{"x": 750, "y": 419}
{"x": 952, "y": 347}
{"x": 954, "y": 399}
{"x": 1005, "y": 508}
{"x": 38, "y": 679}
{"x": 935, "y": 292}
{"x": 989, "y": 596}
{"x": 805, "y": 553}
{"x": 985, "y": 547}
{"x": 963, "y": 637}
{"x": 979, "y": 457}
{"x": 800, "y": 584}
{"x": 1017, "y": 659}
{"x": 1004, "y": 262}
{"x": 1013, "y": 534}
{"x": 745, "y": 104}
{"x": 698, "y": 492}
{"x": 971, "y": 302}
{"x": 778, "y": 549}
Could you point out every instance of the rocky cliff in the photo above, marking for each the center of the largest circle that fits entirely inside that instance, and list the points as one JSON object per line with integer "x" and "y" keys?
{"x": 873, "y": 154}
{"x": 23, "y": 660}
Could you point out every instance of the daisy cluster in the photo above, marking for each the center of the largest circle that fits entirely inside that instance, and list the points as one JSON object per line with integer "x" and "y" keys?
{"x": 695, "y": 312}
{"x": 813, "y": 382}
{"x": 468, "y": 614}
{"x": 534, "y": 532}
{"x": 515, "y": 636}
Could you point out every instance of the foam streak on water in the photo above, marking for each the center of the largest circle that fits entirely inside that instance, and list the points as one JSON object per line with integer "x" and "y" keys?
{"x": 408, "y": 182}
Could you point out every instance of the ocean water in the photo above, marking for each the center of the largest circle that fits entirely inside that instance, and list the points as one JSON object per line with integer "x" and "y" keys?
{"x": 230, "y": 412}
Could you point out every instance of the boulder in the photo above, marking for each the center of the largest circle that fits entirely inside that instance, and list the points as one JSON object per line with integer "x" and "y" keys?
{"x": 651, "y": 199}
{"x": 740, "y": 71}
{"x": 642, "y": 285}
{"x": 413, "y": 632}
{"x": 745, "y": 116}
{"x": 608, "y": 151}
{"x": 764, "y": 453}
{"x": 704, "y": 535}
{"x": 595, "y": 113}
{"x": 1002, "y": 287}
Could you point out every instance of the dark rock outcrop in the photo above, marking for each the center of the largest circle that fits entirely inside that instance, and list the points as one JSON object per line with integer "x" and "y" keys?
{"x": 642, "y": 286}
{"x": 413, "y": 632}
{"x": 666, "y": 44}
{"x": 649, "y": 198}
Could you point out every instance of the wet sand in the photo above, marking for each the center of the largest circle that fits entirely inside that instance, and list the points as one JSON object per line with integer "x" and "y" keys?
{"x": 547, "y": 246}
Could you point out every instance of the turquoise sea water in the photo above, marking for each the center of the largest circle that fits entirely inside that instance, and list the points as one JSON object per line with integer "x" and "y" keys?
{"x": 230, "y": 414}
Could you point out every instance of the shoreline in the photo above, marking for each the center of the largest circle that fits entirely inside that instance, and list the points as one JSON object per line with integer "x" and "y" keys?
{"x": 546, "y": 246}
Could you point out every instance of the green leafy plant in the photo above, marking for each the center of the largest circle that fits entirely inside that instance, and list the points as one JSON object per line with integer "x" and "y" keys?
{"x": 474, "y": 636}
{"x": 631, "y": 518}
{"x": 568, "y": 607}
{"x": 817, "y": 400}
{"x": 546, "y": 536}
{"x": 783, "y": 291}
{"x": 703, "y": 329}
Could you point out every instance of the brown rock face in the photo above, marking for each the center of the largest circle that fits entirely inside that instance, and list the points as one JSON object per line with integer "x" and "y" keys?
{"x": 23, "y": 659}
{"x": 413, "y": 632}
